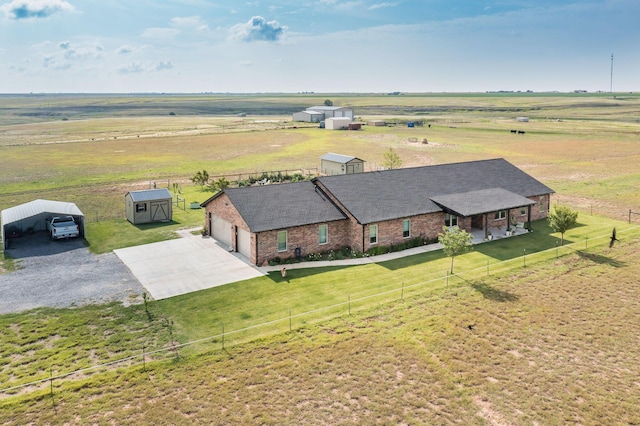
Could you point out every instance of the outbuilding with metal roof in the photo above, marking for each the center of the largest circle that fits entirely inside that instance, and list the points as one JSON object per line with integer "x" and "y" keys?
{"x": 148, "y": 206}
{"x": 338, "y": 164}
{"x": 32, "y": 216}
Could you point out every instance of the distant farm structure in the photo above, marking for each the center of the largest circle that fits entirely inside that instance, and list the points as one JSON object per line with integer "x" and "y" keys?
{"x": 319, "y": 113}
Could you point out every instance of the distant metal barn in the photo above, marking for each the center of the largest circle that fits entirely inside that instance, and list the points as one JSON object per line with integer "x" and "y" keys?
{"x": 338, "y": 164}
{"x": 31, "y": 217}
{"x": 148, "y": 206}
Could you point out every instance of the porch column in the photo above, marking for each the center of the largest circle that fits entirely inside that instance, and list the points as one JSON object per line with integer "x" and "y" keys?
{"x": 486, "y": 225}
{"x": 529, "y": 218}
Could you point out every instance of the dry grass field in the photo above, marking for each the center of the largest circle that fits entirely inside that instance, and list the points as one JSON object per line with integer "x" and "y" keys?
{"x": 552, "y": 343}
{"x": 585, "y": 147}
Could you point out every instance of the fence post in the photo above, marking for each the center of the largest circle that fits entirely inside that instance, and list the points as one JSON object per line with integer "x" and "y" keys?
{"x": 51, "y": 382}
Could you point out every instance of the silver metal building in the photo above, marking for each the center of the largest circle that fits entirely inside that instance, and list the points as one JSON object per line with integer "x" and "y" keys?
{"x": 31, "y": 217}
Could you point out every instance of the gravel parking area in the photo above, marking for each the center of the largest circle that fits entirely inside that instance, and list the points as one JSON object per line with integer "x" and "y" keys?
{"x": 63, "y": 274}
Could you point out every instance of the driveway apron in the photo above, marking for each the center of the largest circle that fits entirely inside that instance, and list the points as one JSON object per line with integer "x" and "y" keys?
{"x": 192, "y": 263}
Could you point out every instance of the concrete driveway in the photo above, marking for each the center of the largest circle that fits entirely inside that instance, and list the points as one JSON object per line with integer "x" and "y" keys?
{"x": 184, "y": 265}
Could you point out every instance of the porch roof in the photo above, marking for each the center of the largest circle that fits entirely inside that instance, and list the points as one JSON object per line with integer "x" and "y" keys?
{"x": 481, "y": 201}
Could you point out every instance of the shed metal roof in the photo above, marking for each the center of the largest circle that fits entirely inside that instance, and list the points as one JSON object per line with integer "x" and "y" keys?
{"x": 339, "y": 158}
{"x": 150, "y": 195}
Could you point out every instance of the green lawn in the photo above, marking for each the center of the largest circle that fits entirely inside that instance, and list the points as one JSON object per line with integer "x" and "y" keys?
{"x": 260, "y": 300}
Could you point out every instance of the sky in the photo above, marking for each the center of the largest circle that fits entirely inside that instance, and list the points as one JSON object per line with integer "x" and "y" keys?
{"x": 322, "y": 46}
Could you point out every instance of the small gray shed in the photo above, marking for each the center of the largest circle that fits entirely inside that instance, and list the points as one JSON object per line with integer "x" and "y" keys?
{"x": 31, "y": 217}
{"x": 338, "y": 164}
{"x": 147, "y": 206}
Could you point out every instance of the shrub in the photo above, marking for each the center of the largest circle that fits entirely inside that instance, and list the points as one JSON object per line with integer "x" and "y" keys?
{"x": 314, "y": 256}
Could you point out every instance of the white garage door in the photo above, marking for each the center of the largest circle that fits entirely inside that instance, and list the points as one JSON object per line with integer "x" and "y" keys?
{"x": 221, "y": 230}
{"x": 244, "y": 242}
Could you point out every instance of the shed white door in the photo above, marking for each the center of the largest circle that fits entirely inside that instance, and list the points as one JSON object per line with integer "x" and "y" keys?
{"x": 244, "y": 242}
{"x": 221, "y": 230}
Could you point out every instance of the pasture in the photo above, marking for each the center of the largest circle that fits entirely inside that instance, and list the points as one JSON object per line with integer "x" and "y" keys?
{"x": 550, "y": 343}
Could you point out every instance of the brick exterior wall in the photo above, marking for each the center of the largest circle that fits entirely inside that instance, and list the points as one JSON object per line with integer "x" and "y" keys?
{"x": 390, "y": 232}
{"x": 305, "y": 238}
{"x": 349, "y": 233}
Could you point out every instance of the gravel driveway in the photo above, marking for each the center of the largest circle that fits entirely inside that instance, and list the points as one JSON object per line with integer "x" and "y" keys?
{"x": 63, "y": 274}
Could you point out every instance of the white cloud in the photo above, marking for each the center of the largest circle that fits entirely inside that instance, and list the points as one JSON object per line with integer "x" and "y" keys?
{"x": 136, "y": 67}
{"x": 163, "y": 65}
{"x": 34, "y": 9}
{"x": 381, "y": 5}
{"x": 257, "y": 29}
{"x": 349, "y": 5}
{"x": 66, "y": 54}
{"x": 131, "y": 68}
{"x": 189, "y": 22}
{"x": 246, "y": 64}
{"x": 124, "y": 49}
{"x": 160, "y": 33}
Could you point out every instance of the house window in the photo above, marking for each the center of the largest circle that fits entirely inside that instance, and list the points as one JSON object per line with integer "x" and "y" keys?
{"x": 323, "y": 234}
{"x": 282, "y": 241}
{"x": 450, "y": 220}
{"x": 373, "y": 234}
{"x": 141, "y": 207}
{"x": 406, "y": 228}
{"x": 502, "y": 214}
{"x": 523, "y": 211}
{"x": 542, "y": 204}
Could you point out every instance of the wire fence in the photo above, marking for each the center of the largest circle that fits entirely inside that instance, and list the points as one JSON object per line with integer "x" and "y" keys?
{"x": 439, "y": 286}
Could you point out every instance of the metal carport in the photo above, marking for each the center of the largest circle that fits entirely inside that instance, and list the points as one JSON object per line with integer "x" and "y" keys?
{"x": 31, "y": 217}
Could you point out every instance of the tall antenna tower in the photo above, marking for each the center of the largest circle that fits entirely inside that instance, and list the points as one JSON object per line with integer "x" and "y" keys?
{"x": 611, "y": 81}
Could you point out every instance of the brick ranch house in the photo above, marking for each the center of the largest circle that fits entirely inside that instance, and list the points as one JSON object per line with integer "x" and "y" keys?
{"x": 364, "y": 210}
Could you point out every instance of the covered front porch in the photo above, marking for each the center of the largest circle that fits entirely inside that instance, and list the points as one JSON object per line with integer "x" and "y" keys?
{"x": 489, "y": 214}
{"x": 496, "y": 233}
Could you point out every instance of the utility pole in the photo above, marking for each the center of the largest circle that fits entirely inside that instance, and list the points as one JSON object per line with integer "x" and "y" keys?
{"x": 611, "y": 81}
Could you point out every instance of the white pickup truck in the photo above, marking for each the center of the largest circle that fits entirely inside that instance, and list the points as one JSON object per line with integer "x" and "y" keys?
{"x": 62, "y": 227}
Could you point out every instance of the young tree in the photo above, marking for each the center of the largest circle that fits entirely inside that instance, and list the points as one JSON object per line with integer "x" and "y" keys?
{"x": 219, "y": 185}
{"x": 561, "y": 219}
{"x": 455, "y": 241}
{"x": 328, "y": 102}
{"x": 391, "y": 159}
{"x": 200, "y": 178}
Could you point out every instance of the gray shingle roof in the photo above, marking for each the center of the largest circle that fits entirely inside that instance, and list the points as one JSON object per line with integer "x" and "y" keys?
{"x": 271, "y": 207}
{"x": 391, "y": 194}
{"x": 483, "y": 201}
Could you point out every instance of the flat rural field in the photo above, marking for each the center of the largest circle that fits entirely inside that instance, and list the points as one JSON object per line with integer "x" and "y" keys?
{"x": 553, "y": 342}
{"x": 92, "y": 150}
